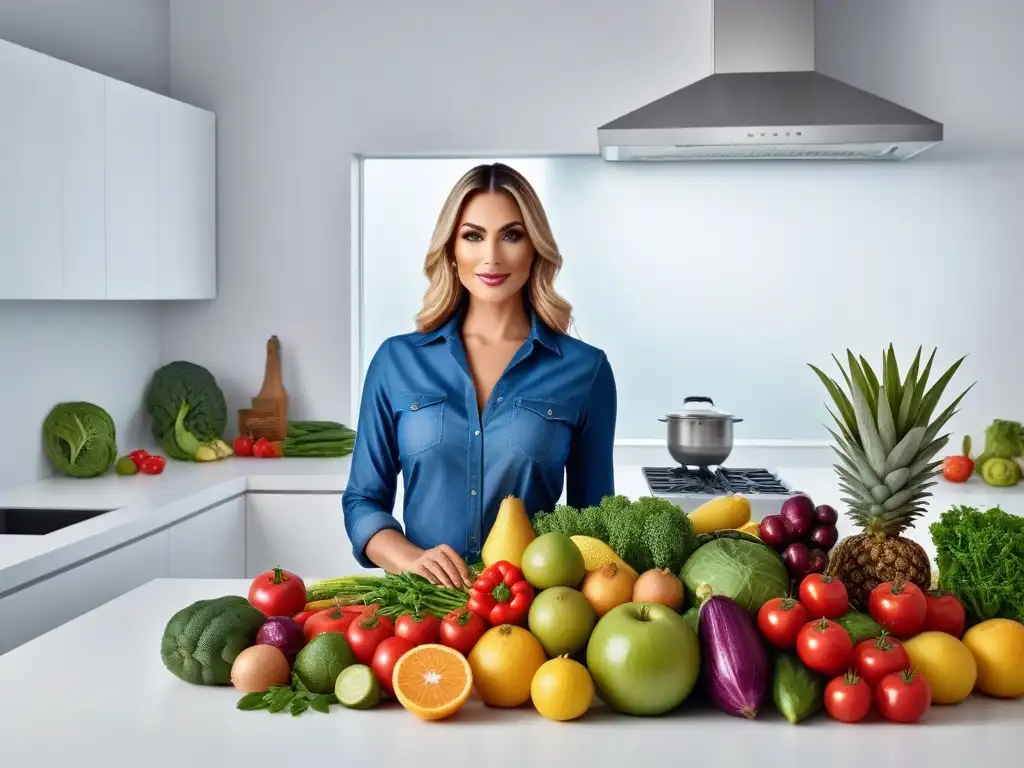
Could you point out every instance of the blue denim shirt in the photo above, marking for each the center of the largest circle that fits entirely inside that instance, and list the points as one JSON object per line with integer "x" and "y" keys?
{"x": 549, "y": 421}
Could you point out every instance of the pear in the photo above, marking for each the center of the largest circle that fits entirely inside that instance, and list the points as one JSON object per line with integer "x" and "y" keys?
{"x": 511, "y": 533}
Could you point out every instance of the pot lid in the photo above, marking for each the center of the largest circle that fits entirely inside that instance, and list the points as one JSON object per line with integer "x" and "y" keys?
{"x": 700, "y": 408}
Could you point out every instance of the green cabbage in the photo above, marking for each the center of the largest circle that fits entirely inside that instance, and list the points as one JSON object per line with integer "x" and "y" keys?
{"x": 80, "y": 439}
{"x": 1004, "y": 439}
{"x": 749, "y": 573}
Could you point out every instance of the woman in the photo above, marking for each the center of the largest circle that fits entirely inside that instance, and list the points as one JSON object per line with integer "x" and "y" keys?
{"x": 488, "y": 398}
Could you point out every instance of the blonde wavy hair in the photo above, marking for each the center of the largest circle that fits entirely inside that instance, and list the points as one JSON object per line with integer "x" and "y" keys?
{"x": 446, "y": 292}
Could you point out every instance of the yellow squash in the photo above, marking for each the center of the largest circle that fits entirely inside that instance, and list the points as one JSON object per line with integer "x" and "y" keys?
{"x": 597, "y": 554}
{"x": 720, "y": 513}
{"x": 511, "y": 533}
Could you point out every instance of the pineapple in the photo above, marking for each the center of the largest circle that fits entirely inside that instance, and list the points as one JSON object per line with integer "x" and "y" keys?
{"x": 886, "y": 443}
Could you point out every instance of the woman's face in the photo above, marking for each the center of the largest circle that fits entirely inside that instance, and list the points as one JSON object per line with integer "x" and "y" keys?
{"x": 493, "y": 253}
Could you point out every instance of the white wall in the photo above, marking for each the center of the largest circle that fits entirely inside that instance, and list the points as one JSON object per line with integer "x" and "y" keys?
{"x": 53, "y": 351}
{"x": 300, "y": 88}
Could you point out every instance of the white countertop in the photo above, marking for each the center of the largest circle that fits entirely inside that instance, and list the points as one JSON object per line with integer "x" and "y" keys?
{"x": 144, "y": 503}
{"x": 96, "y": 687}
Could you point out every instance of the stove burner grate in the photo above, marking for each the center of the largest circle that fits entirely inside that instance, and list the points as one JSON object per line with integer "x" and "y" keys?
{"x": 722, "y": 480}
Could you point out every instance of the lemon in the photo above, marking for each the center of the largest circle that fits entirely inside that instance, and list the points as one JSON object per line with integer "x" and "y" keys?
{"x": 562, "y": 689}
{"x": 998, "y": 648}
{"x": 946, "y": 663}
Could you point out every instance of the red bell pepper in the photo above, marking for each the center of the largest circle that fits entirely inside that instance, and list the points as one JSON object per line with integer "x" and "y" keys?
{"x": 501, "y": 595}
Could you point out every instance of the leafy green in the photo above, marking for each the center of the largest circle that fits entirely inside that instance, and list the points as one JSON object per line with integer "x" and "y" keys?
{"x": 981, "y": 561}
{"x": 80, "y": 439}
{"x": 745, "y": 572}
{"x": 183, "y": 383}
{"x": 647, "y": 533}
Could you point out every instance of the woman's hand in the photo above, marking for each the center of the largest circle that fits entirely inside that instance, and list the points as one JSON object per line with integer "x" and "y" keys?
{"x": 442, "y": 565}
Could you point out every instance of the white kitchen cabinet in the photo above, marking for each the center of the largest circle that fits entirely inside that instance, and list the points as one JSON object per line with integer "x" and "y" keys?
{"x": 36, "y": 609}
{"x": 211, "y": 544}
{"x": 300, "y": 532}
{"x": 51, "y": 178}
{"x": 107, "y": 190}
{"x": 160, "y": 199}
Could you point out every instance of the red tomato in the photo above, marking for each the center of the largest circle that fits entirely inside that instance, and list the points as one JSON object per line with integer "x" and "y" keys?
{"x": 385, "y": 657}
{"x": 302, "y": 617}
{"x": 877, "y": 657}
{"x": 332, "y": 619}
{"x": 780, "y": 620}
{"x": 420, "y": 629}
{"x": 461, "y": 629}
{"x": 277, "y": 593}
{"x": 264, "y": 449}
{"x": 944, "y": 613}
{"x": 152, "y": 465}
{"x": 903, "y": 697}
{"x": 824, "y": 596}
{"x": 825, "y": 647}
{"x": 243, "y": 445}
{"x": 365, "y": 633}
{"x": 138, "y": 457}
{"x": 899, "y": 607}
{"x": 847, "y": 698}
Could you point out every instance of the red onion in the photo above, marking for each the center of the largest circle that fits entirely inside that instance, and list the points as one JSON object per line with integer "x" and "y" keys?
{"x": 773, "y": 532}
{"x": 826, "y": 514}
{"x": 735, "y": 664}
{"x": 798, "y": 558}
{"x": 798, "y": 515}
{"x": 283, "y": 632}
{"x": 825, "y": 537}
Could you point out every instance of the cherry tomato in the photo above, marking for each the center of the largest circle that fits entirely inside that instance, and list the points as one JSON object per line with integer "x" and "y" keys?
{"x": 824, "y": 596}
{"x": 824, "y": 646}
{"x": 365, "y": 633}
{"x": 419, "y": 629}
{"x": 899, "y": 607}
{"x": 277, "y": 592}
{"x": 152, "y": 465}
{"x": 903, "y": 697}
{"x": 877, "y": 657}
{"x": 138, "y": 457}
{"x": 333, "y": 619}
{"x": 944, "y": 613}
{"x": 385, "y": 657}
{"x": 460, "y": 630}
{"x": 243, "y": 445}
{"x": 847, "y": 698}
{"x": 780, "y": 620}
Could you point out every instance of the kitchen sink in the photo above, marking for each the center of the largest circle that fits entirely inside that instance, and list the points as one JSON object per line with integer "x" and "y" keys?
{"x": 39, "y": 522}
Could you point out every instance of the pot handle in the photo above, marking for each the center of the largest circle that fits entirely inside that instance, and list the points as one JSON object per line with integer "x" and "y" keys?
{"x": 663, "y": 420}
{"x": 698, "y": 400}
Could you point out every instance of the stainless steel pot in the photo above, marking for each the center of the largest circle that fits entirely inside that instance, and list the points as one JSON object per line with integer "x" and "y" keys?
{"x": 700, "y": 437}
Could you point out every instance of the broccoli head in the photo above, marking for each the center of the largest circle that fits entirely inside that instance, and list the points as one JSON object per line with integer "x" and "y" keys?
{"x": 183, "y": 382}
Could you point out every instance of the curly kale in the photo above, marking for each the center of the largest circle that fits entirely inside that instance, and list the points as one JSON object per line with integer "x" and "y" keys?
{"x": 646, "y": 533}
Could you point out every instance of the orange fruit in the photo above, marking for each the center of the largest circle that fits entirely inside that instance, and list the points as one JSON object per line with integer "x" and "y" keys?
{"x": 504, "y": 662}
{"x": 432, "y": 681}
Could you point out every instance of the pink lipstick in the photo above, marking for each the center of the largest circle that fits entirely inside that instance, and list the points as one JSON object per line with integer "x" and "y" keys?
{"x": 493, "y": 279}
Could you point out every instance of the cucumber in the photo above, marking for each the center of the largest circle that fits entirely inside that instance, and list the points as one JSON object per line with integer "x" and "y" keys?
{"x": 357, "y": 687}
{"x": 796, "y": 690}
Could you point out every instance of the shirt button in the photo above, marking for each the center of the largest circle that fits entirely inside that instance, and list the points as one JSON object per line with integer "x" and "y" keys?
{"x": 500, "y": 399}
{"x": 473, "y": 492}
{"x": 414, "y": 407}
{"x": 549, "y": 411}
{"x": 477, "y": 433}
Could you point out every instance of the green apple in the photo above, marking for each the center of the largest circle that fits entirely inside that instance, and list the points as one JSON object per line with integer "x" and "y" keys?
{"x": 644, "y": 658}
{"x": 553, "y": 560}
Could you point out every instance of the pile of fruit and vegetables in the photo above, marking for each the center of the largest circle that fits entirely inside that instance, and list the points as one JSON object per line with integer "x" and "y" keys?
{"x": 649, "y": 608}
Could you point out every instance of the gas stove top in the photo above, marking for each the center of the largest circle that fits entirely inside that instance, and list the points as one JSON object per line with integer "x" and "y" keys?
{"x": 689, "y": 487}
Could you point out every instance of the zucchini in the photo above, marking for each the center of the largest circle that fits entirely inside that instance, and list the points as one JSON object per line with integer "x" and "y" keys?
{"x": 796, "y": 690}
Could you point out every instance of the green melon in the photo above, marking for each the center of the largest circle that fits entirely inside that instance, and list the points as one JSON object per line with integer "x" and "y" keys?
{"x": 201, "y": 641}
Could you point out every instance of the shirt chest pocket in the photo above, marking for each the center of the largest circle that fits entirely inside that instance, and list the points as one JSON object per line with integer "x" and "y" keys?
{"x": 541, "y": 429}
{"x": 420, "y": 421}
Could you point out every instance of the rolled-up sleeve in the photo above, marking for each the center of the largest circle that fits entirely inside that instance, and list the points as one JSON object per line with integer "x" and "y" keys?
{"x": 590, "y": 474}
{"x": 369, "y": 499}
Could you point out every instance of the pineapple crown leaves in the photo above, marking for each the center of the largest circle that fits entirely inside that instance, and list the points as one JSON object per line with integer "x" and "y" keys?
{"x": 886, "y": 432}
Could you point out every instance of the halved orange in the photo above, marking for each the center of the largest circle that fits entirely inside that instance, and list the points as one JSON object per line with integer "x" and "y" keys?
{"x": 432, "y": 681}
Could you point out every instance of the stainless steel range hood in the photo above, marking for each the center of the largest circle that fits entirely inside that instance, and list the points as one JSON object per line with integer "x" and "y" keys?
{"x": 765, "y": 101}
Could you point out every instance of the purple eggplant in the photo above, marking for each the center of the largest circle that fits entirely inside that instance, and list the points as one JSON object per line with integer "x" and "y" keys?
{"x": 734, "y": 659}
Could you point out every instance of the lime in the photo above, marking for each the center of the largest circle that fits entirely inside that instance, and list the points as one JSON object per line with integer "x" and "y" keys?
{"x": 320, "y": 662}
{"x": 357, "y": 687}
{"x": 125, "y": 466}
